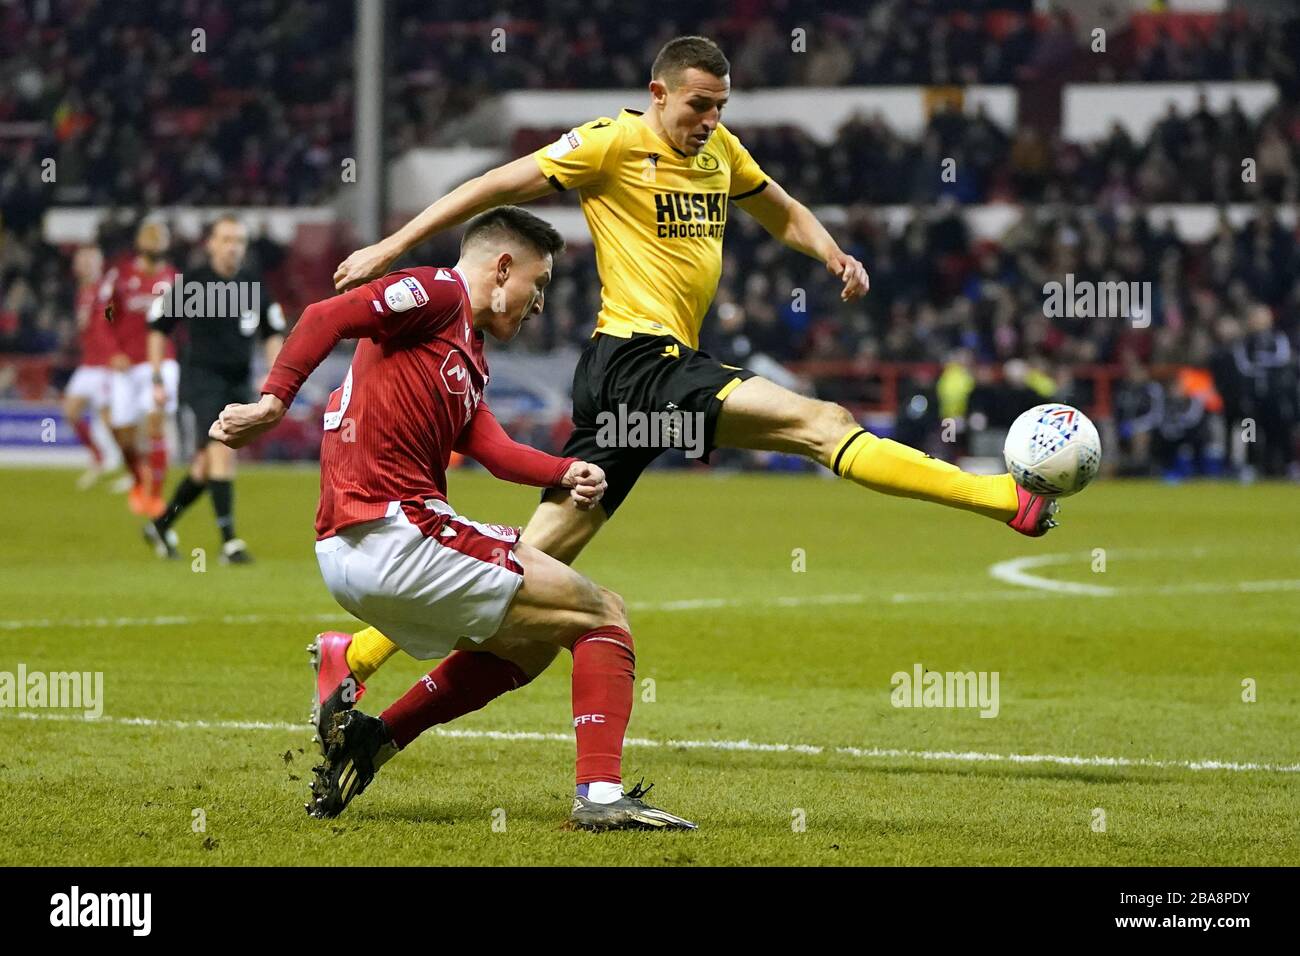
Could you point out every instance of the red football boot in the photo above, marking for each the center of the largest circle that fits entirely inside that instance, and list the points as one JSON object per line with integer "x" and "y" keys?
{"x": 337, "y": 689}
{"x": 1036, "y": 515}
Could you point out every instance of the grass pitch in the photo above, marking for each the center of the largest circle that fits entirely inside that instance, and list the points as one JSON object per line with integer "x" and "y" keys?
{"x": 768, "y": 719}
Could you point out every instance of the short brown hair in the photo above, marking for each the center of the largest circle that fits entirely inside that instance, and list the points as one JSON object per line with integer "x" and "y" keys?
{"x": 505, "y": 222}
{"x": 225, "y": 217}
{"x": 684, "y": 53}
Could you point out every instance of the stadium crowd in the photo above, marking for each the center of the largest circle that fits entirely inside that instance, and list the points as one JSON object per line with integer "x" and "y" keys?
{"x": 869, "y": 164}
{"x": 1195, "y": 157}
{"x": 848, "y": 42}
{"x": 256, "y": 111}
{"x": 177, "y": 102}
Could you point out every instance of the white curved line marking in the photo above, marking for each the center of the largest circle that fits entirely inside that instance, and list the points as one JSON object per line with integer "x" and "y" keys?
{"x": 1015, "y": 571}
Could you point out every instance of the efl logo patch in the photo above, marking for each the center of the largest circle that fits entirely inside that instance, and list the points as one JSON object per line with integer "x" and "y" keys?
{"x": 564, "y": 145}
{"x": 404, "y": 294}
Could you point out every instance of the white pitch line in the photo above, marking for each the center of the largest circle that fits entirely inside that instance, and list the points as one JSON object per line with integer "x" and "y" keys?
{"x": 1027, "y": 592}
{"x": 872, "y": 753}
{"x": 167, "y": 620}
{"x": 1016, "y": 571}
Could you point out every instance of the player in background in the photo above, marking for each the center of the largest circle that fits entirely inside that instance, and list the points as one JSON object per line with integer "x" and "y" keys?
{"x": 234, "y": 310}
{"x": 90, "y": 387}
{"x": 656, "y": 188}
{"x": 393, "y": 551}
{"x": 128, "y": 292}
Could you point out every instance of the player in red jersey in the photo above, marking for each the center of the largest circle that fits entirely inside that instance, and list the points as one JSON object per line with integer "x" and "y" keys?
{"x": 131, "y": 289}
{"x": 395, "y": 553}
{"x": 91, "y": 384}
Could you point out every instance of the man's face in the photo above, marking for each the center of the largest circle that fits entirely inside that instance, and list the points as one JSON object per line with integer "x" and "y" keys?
{"x": 88, "y": 264}
{"x": 691, "y": 110}
{"x": 152, "y": 240}
{"x": 519, "y": 292}
{"x": 226, "y": 247}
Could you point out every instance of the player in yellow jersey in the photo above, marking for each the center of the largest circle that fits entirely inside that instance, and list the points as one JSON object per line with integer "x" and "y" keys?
{"x": 656, "y": 188}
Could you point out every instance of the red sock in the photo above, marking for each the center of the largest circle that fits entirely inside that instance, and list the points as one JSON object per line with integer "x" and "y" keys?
{"x": 158, "y": 463}
{"x": 131, "y": 459}
{"x": 604, "y": 665}
{"x": 464, "y": 682}
{"x": 82, "y": 428}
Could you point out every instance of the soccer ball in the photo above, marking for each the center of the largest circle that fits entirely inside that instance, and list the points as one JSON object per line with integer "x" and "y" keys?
{"x": 1052, "y": 450}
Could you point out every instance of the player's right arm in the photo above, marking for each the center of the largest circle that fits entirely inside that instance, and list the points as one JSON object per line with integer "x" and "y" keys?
{"x": 410, "y": 302}
{"x": 576, "y": 159}
{"x": 515, "y": 182}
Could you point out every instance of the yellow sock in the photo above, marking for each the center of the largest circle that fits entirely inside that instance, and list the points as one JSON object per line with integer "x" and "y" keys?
{"x": 368, "y": 651}
{"x": 884, "y": 465}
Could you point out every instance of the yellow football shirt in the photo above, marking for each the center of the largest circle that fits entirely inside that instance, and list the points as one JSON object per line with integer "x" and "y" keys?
{"x": 656, "y": 217}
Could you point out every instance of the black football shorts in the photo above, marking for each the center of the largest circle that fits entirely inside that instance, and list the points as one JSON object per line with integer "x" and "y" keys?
{"x": 635, "y": 398}
{"x": 205, "y": 392}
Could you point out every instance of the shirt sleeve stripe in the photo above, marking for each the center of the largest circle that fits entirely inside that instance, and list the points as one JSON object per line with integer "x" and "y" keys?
{"x": 560, "y": 188}
{"x": 753, "y": 192}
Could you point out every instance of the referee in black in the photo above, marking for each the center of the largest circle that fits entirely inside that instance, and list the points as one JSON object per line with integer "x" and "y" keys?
{"x": 225, "y": 307}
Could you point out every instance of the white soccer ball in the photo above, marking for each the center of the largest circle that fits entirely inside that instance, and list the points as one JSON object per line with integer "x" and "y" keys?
{"x": 1052, "y": 450}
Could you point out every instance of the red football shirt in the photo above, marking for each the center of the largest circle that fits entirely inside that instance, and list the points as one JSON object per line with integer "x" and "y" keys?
{"x": 131, "y": 291}
{"x": 97, "y": 342}
{"x": 413, "y": 394}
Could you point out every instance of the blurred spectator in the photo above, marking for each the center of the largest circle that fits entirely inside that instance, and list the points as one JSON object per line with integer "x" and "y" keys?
{"x": 996, "y": 403}
{"x": 1229, "y": 384}
{"x": 1267, "y": 365}
{"x": 1139, "y": 412}
{"x": 955, "y": 385}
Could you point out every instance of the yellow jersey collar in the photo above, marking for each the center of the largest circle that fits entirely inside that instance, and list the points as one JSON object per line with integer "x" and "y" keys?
{"x": 640, "y": 114}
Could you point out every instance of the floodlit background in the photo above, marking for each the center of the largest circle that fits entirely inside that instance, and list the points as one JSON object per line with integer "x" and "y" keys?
{"x": 971, "y": 155}
{"x": 967, "y": 153}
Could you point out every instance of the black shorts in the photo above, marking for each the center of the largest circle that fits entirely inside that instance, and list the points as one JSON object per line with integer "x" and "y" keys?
{"x": 637, "y": 397}
{"x": 204, "y": 392}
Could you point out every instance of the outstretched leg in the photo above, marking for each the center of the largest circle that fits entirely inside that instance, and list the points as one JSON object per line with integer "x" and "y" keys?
{"x": 761, "y": 415}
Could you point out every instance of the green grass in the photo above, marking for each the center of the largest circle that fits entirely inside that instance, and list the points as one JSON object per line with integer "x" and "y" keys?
{"x": 1152, "y": 672}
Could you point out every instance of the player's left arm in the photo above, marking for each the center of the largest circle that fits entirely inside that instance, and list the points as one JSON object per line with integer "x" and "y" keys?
{"x": 484, "y": 440}
{"x": 794, "y": 224}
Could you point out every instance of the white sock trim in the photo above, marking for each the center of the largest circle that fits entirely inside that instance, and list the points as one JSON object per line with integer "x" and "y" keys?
{"x": 603, "y": 791}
